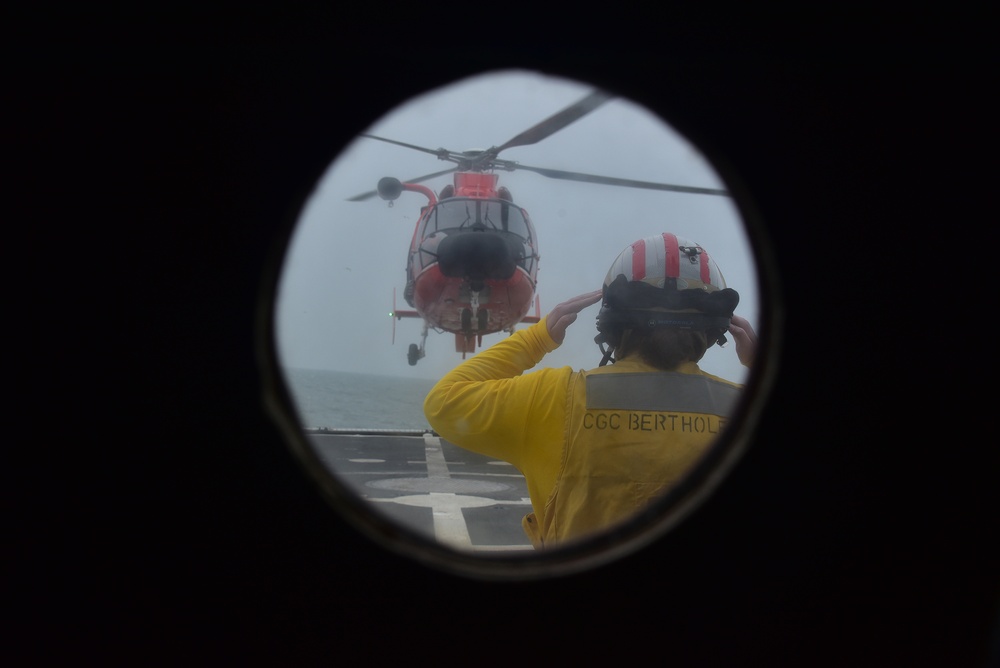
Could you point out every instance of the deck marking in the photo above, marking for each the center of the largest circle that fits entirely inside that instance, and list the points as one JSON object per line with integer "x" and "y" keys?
{"x": 444, "y": 485}
{"x": 449, "y": 522}
{"x": 437, "y": 467}
{"x": 450, "y": 527}
{"x": 503, "y": 548}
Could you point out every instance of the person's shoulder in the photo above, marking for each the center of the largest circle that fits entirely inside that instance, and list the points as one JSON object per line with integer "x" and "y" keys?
{"x": 551, "y": 373}
{"x": 628, "y": 365}
{"x": 720, "y": 379}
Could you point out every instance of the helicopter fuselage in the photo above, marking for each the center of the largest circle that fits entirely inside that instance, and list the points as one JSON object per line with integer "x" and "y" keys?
{"x": 473, "y": 262}
{"x": 450, "y": 304}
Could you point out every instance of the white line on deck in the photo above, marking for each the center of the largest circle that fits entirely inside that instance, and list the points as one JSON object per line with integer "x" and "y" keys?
{"x": 449, "y": 522}
{"x": 437, "y": 467}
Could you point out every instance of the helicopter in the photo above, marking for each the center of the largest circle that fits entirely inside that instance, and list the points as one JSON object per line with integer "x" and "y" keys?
{"x": 472, "y": 265}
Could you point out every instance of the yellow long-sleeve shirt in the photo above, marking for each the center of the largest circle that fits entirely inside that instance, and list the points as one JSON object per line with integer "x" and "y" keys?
{"x": 587, "y": 465}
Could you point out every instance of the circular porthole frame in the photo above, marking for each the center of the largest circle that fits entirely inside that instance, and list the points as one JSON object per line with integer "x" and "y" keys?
{"x": 644, "y": 528}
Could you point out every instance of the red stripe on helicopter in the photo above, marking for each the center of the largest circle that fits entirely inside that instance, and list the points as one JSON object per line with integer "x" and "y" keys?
{"x": 672, "y": 256}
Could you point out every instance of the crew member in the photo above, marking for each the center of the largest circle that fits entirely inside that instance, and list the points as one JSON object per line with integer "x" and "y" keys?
{"x": 597, "y": 446}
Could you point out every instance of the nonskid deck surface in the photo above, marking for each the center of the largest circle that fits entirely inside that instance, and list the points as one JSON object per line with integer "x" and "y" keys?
{"x": 459, "y": 498}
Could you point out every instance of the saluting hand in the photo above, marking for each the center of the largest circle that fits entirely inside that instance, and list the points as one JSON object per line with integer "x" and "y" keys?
{"x": 746, "y": 339}
{"x": 564, "y": 314}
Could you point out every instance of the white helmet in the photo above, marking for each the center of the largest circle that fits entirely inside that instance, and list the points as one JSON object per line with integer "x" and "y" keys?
{"x": 658, "y": 259}
{"x": 664, "y": 281}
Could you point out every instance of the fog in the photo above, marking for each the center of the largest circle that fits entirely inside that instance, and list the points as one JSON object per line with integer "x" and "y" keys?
{"x": 346, "y": 259}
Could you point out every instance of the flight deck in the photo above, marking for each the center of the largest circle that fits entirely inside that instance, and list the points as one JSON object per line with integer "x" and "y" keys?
{"x": 461, "y": 499}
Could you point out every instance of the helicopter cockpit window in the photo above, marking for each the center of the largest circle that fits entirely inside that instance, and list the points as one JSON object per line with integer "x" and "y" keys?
{"x": 464, "y": 213}
{"x": 350, "y": 383}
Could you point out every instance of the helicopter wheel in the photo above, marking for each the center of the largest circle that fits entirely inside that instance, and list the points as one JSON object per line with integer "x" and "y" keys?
{"x": 482, "y": 318}
{"x": 466, "y": 320}
{"x": 413, "y": 355}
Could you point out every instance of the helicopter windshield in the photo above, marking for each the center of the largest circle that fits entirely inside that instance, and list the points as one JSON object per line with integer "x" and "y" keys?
{"x": 465, "y": 212}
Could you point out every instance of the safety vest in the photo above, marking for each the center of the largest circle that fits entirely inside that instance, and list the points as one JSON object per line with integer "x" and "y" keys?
{"x": 629, "y": 438}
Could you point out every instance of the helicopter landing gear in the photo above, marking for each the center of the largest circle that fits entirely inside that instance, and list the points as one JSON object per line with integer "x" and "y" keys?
{"x": 481, "y": 315}
{"x": 415, "y": 352}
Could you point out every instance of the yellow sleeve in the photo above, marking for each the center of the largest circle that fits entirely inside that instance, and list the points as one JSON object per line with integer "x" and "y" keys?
{"x": 488, "y": 405}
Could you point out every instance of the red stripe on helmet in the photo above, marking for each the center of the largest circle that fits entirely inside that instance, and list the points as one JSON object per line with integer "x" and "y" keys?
{"x": 706, "y": 269}
{"x": 639, "y": 260}
{"x": 672, "y": 254}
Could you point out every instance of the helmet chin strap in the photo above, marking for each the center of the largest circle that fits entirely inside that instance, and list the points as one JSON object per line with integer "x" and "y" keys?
{"x": 602, "y": 341}
{"x": 607, "y": 356}
{"x": 608, "y": 352}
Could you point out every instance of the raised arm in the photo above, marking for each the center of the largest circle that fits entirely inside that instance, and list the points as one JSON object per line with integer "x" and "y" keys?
{"x": 485, "y": 403}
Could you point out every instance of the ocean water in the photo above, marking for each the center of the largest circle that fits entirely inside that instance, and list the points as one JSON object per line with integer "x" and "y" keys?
{"x": 341, "y": 400}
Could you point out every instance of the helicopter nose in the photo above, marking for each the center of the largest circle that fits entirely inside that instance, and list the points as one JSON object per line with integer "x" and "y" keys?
{"x": 476, "y": 256}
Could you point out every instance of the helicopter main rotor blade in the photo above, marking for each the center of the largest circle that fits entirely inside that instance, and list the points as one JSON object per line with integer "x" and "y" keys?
{"x": 440, "y": 152}
{"x": 371, "y": 193}
{"x": 611, "y": 181}
{"x": 558, "y": 121}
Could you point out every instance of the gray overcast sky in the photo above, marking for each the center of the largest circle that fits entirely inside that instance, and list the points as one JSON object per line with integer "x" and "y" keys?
{"x": 346, "y": 258}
